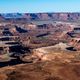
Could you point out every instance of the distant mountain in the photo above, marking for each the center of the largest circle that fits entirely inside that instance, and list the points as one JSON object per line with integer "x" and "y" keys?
{"x": 42, "y": 16}
{"x": 12, "y": 15}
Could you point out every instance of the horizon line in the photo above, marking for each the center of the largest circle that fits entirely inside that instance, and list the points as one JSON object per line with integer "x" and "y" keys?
{"x": 36, "y": 12}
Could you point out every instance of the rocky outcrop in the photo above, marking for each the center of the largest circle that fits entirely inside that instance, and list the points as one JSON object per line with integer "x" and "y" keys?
{"x": 41, "y": 71}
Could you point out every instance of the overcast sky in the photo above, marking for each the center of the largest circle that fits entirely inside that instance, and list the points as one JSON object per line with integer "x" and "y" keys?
{"x": 33, "y": 6}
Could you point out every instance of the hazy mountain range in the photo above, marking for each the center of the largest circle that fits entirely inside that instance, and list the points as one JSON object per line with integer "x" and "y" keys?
{"x": 42, "y": 16}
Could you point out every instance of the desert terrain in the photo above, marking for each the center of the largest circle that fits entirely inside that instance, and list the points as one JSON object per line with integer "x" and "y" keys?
{"x": 40, "y": 46}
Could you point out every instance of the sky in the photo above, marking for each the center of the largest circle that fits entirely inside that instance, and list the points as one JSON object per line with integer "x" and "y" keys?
{"x": 36, "y": 6}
